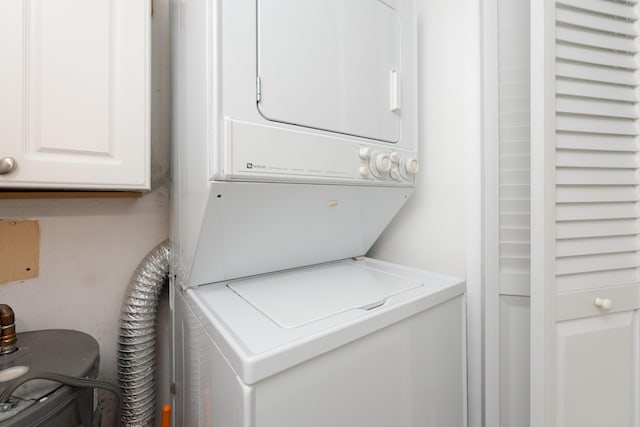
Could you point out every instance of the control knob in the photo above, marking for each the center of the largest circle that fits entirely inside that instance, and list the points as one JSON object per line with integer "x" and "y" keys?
{"x": 409, "y": 166}
{"x": 379, "y": 164}
{"x": 364, "y": 152}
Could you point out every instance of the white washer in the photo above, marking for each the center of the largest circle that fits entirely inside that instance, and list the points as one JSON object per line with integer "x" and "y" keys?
{"x": 344, "y": 344}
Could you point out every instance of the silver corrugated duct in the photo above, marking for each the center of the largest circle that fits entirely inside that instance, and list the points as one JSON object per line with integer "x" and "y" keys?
{"x": 137, "y": 337}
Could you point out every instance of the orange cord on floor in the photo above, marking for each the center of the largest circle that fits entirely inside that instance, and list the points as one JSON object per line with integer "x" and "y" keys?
{"x": 166, "y": 415}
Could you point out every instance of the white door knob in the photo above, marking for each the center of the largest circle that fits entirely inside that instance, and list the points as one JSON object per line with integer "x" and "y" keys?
{"x": 603, "y": 303}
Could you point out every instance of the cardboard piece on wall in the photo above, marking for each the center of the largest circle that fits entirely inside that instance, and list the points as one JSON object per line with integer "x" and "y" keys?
{"x": 19, "y": 250}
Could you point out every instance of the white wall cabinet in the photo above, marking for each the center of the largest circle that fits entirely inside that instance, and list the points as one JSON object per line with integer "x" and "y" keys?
{"x": 74, "y": 85}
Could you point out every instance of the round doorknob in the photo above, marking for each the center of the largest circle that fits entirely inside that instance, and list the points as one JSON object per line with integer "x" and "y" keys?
{"x": 603, "y": 303}
{"x": 7, "y": 165}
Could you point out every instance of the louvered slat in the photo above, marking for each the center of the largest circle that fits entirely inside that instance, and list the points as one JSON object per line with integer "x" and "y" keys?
{"x": 598, "y": 245}
{"x": 583, "y": 18}
{"x": 515, "y": 192}
{"x": 515, "y": 205}
{"x": 596, "y": 107}
{"x": 596, "y": 73}
{"x": 516, "y": 118}
{"x": 601, "y": 125}
{"x": 590, "y": 89}
{"x": 521, "y": 250}
{"x": 514, "y": 103}
{"x": 596, "y": 194}
{"x": 586, "y": 37}
{"x": 515, "y": 220}
{"x": 515, "y": 73}
{"x": 599, "y": 262}
{"x": 599, "y": 211}
{"x": 586, "y": 141}
{"x": 514, "y": 235}
{"x": 514, "y": 264}
{"x": 587, "y": 176}
{"x": 514, "y": 162}
{"x": 620, "y": 10}
{"x": 594, "y": 56}
{"x": 594, "y": 159}
{"x": 514, "y": 133}
{"x": 583, "y": 229}
{"x": 514, "y": 148}
{"x": 517, "y": 177}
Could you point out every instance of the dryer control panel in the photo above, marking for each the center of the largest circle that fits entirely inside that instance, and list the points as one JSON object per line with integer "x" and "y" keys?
{"x": 332, "y": 159}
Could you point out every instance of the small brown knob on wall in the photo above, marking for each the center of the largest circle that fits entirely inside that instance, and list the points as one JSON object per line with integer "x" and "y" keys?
{"x": 8, "y": 336}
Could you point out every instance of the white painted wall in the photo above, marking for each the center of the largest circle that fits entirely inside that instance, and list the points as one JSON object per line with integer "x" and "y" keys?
{"x": 89, "y": 248}
{"x": 439, "y": 228}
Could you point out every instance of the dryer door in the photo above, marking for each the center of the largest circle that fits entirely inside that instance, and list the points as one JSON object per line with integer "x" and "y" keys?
{"x": 332, "y": 65}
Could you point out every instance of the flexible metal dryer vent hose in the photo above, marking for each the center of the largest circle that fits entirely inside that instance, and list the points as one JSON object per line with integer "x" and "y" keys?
{"x": 137, "y": 337}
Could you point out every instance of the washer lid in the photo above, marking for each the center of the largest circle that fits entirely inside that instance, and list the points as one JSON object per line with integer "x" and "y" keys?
{"x": 307, "y": 295}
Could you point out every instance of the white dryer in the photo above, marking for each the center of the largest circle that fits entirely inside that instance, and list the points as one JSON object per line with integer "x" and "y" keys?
{"x": 357, "y": 343}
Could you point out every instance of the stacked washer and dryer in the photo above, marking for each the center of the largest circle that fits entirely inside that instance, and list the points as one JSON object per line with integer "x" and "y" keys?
{"x": 295, "y": 144}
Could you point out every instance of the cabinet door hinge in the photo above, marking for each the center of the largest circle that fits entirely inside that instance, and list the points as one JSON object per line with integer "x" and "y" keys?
{"x": 152, "y": 6}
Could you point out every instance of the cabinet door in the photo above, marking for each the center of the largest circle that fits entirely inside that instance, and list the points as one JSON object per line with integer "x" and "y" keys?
{"x": 596, "y": 371}
{"x": 74, "y": 110}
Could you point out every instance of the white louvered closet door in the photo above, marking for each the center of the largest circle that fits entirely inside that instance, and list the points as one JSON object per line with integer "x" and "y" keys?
{"x": 584, "y": 213}
{"x": 508, "y": 367}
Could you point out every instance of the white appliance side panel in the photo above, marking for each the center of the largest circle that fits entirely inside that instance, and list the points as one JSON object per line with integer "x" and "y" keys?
{"x": 208, "y": 391}
{"x": 331, "y": 65}
{"x": 409, "y": 374}
{"x": 253, "y": 228}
